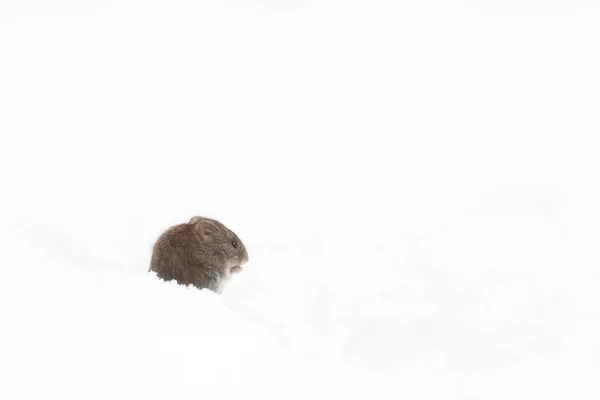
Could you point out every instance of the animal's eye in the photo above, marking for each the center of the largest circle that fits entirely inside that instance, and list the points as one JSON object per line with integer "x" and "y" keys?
{"x": 234, "y": 244}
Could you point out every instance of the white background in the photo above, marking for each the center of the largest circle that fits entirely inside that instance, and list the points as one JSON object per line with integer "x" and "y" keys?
{"x": 417, "y": 184}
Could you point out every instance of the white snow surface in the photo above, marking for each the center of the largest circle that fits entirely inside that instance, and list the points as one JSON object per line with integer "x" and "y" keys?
{"x": 417, "y": 184}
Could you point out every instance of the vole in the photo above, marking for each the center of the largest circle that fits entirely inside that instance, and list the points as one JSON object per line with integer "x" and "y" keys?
{"x": 203, "y": 253}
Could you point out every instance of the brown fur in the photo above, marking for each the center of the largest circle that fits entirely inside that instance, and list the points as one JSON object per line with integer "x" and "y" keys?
{"x": 199, "y": 253}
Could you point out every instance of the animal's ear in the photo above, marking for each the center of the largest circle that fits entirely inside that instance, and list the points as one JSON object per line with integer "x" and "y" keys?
{"x": 206, "y": 228}
{"x": 195, "y": 220}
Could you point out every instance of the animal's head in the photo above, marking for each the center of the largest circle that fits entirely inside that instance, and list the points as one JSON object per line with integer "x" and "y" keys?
{"x": 221, "y": 243}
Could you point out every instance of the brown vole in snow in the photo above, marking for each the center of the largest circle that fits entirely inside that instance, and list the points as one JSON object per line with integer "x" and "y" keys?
{"x": 203, "y": 253}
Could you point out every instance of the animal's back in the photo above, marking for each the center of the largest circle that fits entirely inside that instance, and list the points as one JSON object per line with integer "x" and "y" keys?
{"x": 176, "y": 255}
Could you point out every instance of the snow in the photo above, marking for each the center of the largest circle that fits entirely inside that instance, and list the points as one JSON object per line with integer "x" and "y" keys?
{"x": 416, "y": 184}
